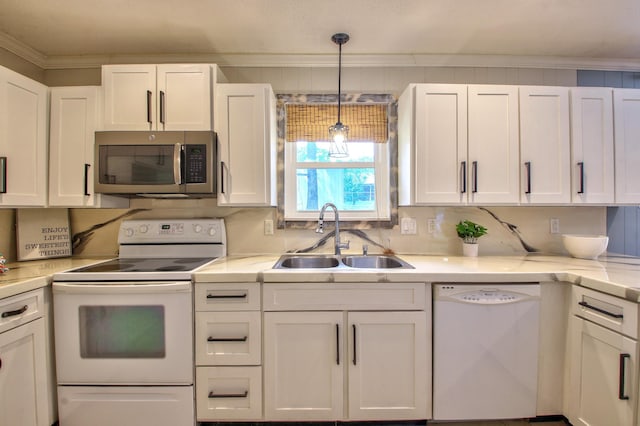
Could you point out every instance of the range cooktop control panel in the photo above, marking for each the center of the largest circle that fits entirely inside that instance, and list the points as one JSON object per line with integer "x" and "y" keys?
{"x": 174, "y": 231}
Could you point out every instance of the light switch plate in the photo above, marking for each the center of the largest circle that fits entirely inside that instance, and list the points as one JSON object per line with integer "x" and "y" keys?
{"x": 408, "y": 226}
{"x": 554, "y": 226}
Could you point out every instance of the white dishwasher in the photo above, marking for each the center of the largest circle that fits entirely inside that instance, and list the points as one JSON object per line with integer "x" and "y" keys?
{"x": 485, "y": 351}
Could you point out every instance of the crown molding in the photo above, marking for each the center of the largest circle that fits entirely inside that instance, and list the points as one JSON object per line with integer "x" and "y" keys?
{"x": 320, "y": 60}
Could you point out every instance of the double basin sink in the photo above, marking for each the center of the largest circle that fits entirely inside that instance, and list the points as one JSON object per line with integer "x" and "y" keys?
{"x": 317, "y": 261}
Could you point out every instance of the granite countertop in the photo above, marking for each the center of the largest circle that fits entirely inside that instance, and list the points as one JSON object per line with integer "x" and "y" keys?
{"x": 616, "y": 275}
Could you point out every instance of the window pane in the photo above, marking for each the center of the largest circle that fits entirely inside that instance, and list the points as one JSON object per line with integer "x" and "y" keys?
{"x": 348, "y": 189}
{"x": 319, "y": 151}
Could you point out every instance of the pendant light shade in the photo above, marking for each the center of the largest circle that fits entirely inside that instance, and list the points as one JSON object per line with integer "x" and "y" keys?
{"x": 338, "y": 133}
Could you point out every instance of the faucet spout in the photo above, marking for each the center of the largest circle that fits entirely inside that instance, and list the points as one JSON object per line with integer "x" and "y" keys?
{"x": 338, "y": 245}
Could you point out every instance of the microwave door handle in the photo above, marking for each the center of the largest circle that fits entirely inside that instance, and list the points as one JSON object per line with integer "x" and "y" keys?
{"x": 177, "y": 164}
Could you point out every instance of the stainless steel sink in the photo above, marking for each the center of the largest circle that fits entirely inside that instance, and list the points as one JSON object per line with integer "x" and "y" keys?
{"x": 310, "y": 261}
{"x": 374, "y": 261}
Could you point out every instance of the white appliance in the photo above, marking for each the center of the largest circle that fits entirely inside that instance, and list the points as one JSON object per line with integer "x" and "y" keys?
{"x": 124, "y": 327}
{"x": 485, "y": 351}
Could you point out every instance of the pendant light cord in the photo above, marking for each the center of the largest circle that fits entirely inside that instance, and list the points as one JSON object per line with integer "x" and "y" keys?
{"x": 339, "y": 79}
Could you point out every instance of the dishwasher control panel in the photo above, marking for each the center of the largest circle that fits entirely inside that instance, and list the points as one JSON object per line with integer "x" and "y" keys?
{"x": 488, "y": 294}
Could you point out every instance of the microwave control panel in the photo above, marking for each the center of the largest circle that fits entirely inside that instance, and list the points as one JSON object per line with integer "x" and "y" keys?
{"x": 195, "y": 164}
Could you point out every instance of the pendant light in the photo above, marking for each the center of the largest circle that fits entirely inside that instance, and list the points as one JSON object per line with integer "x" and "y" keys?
{"x": 338, "y": 132}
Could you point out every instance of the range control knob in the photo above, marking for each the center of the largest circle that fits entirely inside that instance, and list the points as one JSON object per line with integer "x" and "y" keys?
{"x": 197, "y": 228}
{"x": 213, "y": 231}
{"x": 128, "y": 232}
{"x": 143, "y": 229}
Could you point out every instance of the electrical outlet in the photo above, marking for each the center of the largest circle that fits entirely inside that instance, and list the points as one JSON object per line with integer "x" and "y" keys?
{"x": 268, "y": 227}
{"x": 431, "y": 225}
{"x": 554, "y": 226}
{"x": 408, "y": 226}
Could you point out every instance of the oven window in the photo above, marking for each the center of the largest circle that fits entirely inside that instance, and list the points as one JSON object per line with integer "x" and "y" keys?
{"x": 122, "y": 331}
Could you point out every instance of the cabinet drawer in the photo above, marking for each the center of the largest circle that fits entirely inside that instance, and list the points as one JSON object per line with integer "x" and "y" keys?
{"x": 21, "y": 308}
{"x": 227, "y": 297}
{"x": 609, "y": 311}
{"x": 343, "y": 296}
{"x": 228, "y": 393}
{"x": 228, "y": 338}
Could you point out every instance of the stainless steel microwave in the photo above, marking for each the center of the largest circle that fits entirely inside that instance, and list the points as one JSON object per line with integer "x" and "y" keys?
{"x": 156, "y": 164}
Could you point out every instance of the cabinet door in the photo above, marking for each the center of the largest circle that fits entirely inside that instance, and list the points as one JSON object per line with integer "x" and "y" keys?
{"x": 303, "y": 365}
{"x": 493, "y": 145}
{"x": 23, "y": 141}
{"x": 23, "y": 376}
{"x": 440, "y": 150}
{"x": 592, "y": 145}
{"x": 626, "y": 109}
{"x": 73, "y": 122}
{"x": 245, "y": 124}
{"x": 602, "y": 374}
{"x": 74, "y": 117}
{"x": 544, "y": 145}
{"x": 387, "y": 365}
{"x": 129, "y": 97}
{"x": 184, "y": 97}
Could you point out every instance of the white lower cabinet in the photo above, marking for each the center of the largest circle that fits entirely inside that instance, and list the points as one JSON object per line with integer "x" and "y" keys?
{"x": 603, "y": 360}
{"x": 343, "y": 364}
{"x": 228, "y": 336}
{"x": 24, "y": 376}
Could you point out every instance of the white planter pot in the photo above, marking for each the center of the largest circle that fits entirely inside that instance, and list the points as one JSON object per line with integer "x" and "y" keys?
{"x": 470, "y": 250}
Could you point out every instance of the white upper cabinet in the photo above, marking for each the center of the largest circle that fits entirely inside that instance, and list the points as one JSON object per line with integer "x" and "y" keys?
{"x": 493, "y": 145}
{"x": 245, "y": 123}
{"x": 23, "y": 141}
{"x": 592, "y": 145}
{"x": 626, "y": 107}
{"x": 544, "y": 145}
{"x": 74, "y": 119}
{"x": 432, "y": 144}
{"x": 158, "y": 97}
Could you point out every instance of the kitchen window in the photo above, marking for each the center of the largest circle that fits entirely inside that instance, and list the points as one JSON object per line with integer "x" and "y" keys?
{"x": 359, "y": 184}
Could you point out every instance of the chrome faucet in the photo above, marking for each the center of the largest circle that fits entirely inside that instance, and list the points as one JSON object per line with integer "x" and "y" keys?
{"x": 320, "y": 228}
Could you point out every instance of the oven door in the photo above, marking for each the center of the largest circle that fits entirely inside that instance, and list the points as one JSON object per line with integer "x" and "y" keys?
{"x": 127, "y": 333}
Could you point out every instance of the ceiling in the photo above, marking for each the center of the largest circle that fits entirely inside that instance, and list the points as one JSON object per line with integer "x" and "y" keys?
{"x": 572, "y": 33}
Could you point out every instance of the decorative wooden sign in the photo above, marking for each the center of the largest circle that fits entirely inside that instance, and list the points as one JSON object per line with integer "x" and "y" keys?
{"x": 43, "y": 233}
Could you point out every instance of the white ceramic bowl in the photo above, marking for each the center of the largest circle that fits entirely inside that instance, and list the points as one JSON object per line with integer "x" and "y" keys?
{"x": 585, "y": 246}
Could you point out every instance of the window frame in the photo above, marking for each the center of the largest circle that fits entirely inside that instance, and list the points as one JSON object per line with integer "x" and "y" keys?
{"x": 392, "y": 147}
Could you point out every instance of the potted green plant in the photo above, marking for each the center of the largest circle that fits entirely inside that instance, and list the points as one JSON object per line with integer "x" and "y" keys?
{"x": 470, "y": 232}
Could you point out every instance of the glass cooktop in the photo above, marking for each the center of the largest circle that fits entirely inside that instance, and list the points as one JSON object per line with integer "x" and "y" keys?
{"x": 145, "y": 265}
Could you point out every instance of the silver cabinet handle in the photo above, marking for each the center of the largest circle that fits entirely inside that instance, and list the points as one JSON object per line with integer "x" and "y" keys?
{"x": 581, "y": 167}
{"x": 227, "y": 339}
{"x": 3, "y": 175}
{"x": 149, "y": 118}
{"x": 622, "y": 373}
{"x": 228, "y": 395}
{"x": 162, "y": 107}
{"x": 527, "y": 166}
{"x": 474, "y": 176}
{"x": 602, "y": 311}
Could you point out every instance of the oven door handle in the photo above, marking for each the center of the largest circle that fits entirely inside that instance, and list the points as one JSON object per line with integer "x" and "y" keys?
{"x": 124, "y": 287}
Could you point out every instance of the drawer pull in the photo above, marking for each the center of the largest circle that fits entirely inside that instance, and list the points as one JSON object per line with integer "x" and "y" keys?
{"x": 602, "y": 311}
{"x": 623, "y": 358}
{"x": 227, "y": 296}
{"x": 16, "y": 312}
{"x": 228, "y": 395}
{"x": 227, "y": 339}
